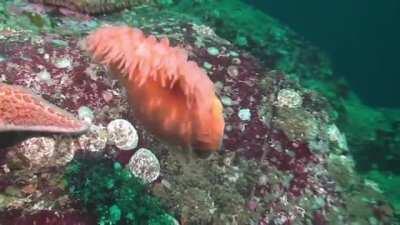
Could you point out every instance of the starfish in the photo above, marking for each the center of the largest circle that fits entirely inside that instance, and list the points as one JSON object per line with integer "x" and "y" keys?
{"x": 21, "y": 111}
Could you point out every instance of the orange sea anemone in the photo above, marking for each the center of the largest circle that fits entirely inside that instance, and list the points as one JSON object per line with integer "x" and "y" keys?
{"x": 170, "y": 95}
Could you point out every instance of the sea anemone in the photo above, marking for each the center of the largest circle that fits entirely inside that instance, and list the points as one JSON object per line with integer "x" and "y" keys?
{"x": 170, "y": 95}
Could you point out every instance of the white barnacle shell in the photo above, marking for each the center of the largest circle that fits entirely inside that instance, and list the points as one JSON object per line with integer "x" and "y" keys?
{"x": 289, "y": 98}
{"x": 122, "y": 134}
{"x": 244, "y": 114}
{"x": 335, "y": 136}
{"x": 85, "y": 113}
{"x": 95, "y": 139}
{"x": 144, "y": 164}
{"x": 37, "y": 150}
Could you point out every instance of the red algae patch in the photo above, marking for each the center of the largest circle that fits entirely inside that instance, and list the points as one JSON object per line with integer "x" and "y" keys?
{"x": 61, "y": 76}
{"x": 46, "y": 217}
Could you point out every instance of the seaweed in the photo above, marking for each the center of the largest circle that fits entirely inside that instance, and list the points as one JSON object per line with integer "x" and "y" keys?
{"x": 111, "y": 192}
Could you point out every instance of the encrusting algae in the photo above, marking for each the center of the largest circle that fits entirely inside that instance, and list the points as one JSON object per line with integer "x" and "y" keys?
{"x": 171, "y": 95}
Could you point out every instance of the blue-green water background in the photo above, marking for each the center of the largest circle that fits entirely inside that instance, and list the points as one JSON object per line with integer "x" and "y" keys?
{"x": 361, "y": 37}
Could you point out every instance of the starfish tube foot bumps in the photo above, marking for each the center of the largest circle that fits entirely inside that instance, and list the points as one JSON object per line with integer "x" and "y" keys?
{"x": 171, "y": 95}
{"x": 22, "y": 110}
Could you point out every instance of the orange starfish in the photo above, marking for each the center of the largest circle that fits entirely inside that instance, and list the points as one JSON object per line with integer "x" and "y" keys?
{"x": 22, "y": 110}
{"x": 171, "y": 96}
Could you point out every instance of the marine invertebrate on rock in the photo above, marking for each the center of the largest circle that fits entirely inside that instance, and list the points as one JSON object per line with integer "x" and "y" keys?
{"x": 92, "y": 6}
{"x": 337, "y": 137}
{"x": 95, "y": 139}
{"x": 38, "y": 150}
{"x": 22, "y": 110}
{"x": 36, "y": 153}
{"x": 86, "y": 114}
{"x": 289, "y": 98}
{"x": 144, "y": 164}
{"x": 171, "y": 96}
{"x": 122, "y": 134}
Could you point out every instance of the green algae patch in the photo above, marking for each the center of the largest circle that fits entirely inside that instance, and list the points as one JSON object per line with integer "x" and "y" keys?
{"x": 388, "y": 183}
{"x": 111, "y": 192}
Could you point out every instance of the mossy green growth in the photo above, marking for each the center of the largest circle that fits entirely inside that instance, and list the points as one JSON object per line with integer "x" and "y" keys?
{"x": 111, "y": 192}
{"x": 276, "y": 45}
{"x": 389, "y": 183}
{"x": 245, "y": 26}
{"x": 165, "y": 2}
{"x": 24, "y": 20}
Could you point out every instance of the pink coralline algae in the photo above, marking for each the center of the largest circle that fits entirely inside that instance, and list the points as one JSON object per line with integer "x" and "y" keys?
{"x": 254, "y": 138}
{"x": 294, "y": 162}
{"x": 63, "y": 77}
{"x": 46, "y": 217}
{"x": 69, "y": 86}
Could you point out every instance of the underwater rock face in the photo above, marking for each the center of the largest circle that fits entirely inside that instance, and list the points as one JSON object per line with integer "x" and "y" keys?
{"x": 32, "y": 170}
{"x": 92, "y": 6}
{"x": 46, "y": 217}
{"x": 276, "y": 166}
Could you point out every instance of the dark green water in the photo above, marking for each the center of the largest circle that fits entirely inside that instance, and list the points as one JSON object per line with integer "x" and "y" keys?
{"x": 361, "y": 37}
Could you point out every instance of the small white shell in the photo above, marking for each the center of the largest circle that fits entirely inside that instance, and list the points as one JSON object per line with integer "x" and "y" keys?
{"x": 289, "y": 98}
{"x": 85, "y": 113}
{"x": 95, "y": 139}
{"x": 144, "y": 164}
{"x": 335, "y": 136}
{"x": 63, "y": 63}
{"x": 122, "y": 134}
{"x": 244, "y": 114}
{"x": 38, "y": 150}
